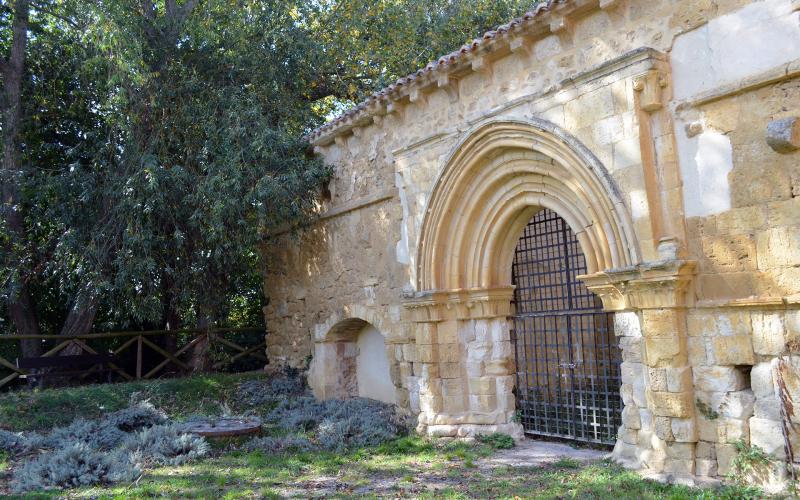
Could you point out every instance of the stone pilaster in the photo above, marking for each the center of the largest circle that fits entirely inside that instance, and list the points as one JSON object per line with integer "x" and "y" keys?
{"x": 465, "y": 368}
{"x": 659, "y": 428}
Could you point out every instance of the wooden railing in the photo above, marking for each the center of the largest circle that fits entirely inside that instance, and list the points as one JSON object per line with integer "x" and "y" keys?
{"x": 142, "y": 366}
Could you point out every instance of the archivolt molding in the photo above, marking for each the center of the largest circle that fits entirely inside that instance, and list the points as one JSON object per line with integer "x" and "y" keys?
{"x": 502, "y": 173}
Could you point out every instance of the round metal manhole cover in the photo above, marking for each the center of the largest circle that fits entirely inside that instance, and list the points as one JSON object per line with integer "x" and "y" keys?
{"x": 227, "y": 427}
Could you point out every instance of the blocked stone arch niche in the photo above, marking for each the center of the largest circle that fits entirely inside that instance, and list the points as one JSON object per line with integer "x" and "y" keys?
{"x": 496, "y": 179}
{"x": 350, "y": 359}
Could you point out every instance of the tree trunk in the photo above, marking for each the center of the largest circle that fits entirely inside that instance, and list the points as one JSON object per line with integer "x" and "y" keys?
{"x": 25, "y": 321}
{"x": 79, "y": 320}
{"x": 200, "y": 361}
{"x": 81, "y": 314}
{"x": 170, "y": 320}
{"x": 21, "y": 307}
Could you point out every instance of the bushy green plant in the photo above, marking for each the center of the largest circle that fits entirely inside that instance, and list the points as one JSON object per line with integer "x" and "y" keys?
{"x": 136, "y": 417}
{"x": 166, "y": 444}
{"x": 341, "y": 424}
{"x": 112, "y": 449}
{"x": 497, "y": 440}
{"x": 74, "y": 465}
{"x": 92, "y": 433}
{"x": 749, "y": 461}
{"x": 14, "y": 443}
{"x": 269, "y": 391}
{"x": 280, "y": 444}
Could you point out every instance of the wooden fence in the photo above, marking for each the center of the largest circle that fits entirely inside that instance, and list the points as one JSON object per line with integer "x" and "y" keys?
{"x": 142, "y": 341}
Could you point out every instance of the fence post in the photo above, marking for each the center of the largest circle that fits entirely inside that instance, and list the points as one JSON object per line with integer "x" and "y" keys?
{"x": 139, "y": 357}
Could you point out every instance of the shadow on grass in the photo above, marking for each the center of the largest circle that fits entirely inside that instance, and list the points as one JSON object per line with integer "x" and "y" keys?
{"x": 409, "y": 467}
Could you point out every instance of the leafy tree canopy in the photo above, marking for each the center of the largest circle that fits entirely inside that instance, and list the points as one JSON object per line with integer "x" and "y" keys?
{"x": 160, "y": 141}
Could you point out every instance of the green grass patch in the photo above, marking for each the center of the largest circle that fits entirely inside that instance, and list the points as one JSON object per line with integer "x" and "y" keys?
{"x": 497, "y": 440}
{"x": 567, "y": 463}
{"x": 43, "y": 409}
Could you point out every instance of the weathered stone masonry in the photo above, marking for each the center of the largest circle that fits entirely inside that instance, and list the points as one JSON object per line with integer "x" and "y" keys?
{"x": 664, "y": 132}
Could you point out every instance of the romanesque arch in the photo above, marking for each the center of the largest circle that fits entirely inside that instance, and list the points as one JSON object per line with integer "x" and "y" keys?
{"x": 496, "y": 179}
{"x": 491, "y": 185}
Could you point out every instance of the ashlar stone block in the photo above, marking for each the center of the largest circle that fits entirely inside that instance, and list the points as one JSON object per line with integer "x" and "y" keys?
{"x": 718, "y": 378}
{"x": 483, "y": 402}
{"x": 663, "y": 351}
{"x": 706, "y": 450}
{"x": 761, "y": 381}
{"x": 631, "y": 349}
{"x": 427, "y": 353}
{"x": 778, "y": 247}
{"x": 684, "y": 430}
{"x": 705, "y": 468}
{"x": 482, "y": 385}
{"x": 661, "y": 323}
{"x": 738, "y": 404}
{"x": 670, "y": 404}
{"x": 630, "y": 418}
{"x": 647, "y": 420}
{"x": 450, "y": 370}
{"x": 725, "y": 455}
{"x": 678, "y": 379}
{"x": 731, "y": 430}
{"x": 767, "y": 408}
{"x": 657, "y": 379}
{"x": 627, "y": 324}
{"x": 733, "y": 350}
{"x": 768, "y": 333}
{"x": 662, "y": 428}
{"x": 707, "y": 429}
{"x": 767, "y": 435}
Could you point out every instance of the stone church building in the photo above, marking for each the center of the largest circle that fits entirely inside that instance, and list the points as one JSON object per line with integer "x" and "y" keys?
{"x": 584, "y": 224}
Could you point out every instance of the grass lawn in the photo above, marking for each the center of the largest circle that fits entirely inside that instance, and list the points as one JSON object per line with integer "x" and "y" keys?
{"x": 409, "y": 467}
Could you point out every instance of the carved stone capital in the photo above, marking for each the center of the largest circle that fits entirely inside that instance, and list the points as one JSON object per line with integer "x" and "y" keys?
{"x": 645, "y": 286}
{"x": 650, "y": 88}
{"x": 462, "y": 304}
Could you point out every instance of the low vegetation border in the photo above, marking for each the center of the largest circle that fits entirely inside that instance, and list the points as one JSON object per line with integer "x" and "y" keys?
{"x": 304, "y": 449}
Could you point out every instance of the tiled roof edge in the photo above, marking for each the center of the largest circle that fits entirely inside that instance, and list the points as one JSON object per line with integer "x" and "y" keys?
{"x": 381, "y": 102}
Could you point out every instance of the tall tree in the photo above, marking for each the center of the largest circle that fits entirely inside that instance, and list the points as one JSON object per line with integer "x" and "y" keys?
{"x": 155, "y": 142}
{"x": 12, "y": 67}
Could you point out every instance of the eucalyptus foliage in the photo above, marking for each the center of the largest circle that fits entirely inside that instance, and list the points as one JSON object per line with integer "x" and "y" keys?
{"x": 162, "y": 142}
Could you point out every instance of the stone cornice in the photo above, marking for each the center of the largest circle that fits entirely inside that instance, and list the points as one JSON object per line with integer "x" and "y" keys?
{"x": 476, "y": 303}
{"x": 755, "y": 303}
{"x": 645, "y": 286}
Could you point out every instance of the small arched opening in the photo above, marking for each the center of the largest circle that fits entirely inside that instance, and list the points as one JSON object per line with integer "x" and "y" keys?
{"x": 351, "y": 361}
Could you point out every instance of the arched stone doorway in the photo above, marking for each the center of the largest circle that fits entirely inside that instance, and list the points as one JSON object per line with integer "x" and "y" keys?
{"x": 566, "y": 356}
{"x": 494, "y": 182}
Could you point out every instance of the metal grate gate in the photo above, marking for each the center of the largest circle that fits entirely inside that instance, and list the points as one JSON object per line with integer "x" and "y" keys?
{"x": 568, "y": 362}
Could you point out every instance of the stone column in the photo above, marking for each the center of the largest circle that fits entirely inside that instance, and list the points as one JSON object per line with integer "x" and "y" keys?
{"x": 465, "y": 366}
{"x": 659, "y": 428}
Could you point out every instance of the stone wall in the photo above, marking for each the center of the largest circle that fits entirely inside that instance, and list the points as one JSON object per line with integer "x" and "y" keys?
{"x": 636, "y": 122}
